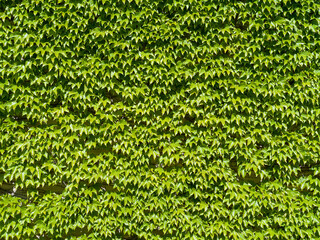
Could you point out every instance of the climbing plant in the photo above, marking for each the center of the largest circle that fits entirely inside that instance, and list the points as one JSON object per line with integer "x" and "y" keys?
{"x": 171, "y": 119}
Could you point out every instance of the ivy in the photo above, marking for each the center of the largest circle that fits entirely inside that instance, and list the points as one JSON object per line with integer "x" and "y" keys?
{"x": 177, "y": 119}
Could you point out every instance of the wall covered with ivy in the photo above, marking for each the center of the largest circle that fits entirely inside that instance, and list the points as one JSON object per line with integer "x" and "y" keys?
{"x": 159, "y": 119}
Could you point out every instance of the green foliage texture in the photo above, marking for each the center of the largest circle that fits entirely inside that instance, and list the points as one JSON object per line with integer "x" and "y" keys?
{"x": 152, "y": 119}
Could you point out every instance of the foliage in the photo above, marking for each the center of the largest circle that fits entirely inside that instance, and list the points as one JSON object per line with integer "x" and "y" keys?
{"x": 152, "y": 119}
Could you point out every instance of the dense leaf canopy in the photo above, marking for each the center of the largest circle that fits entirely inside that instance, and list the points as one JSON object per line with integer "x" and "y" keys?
{"x": 152, "y": 119}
